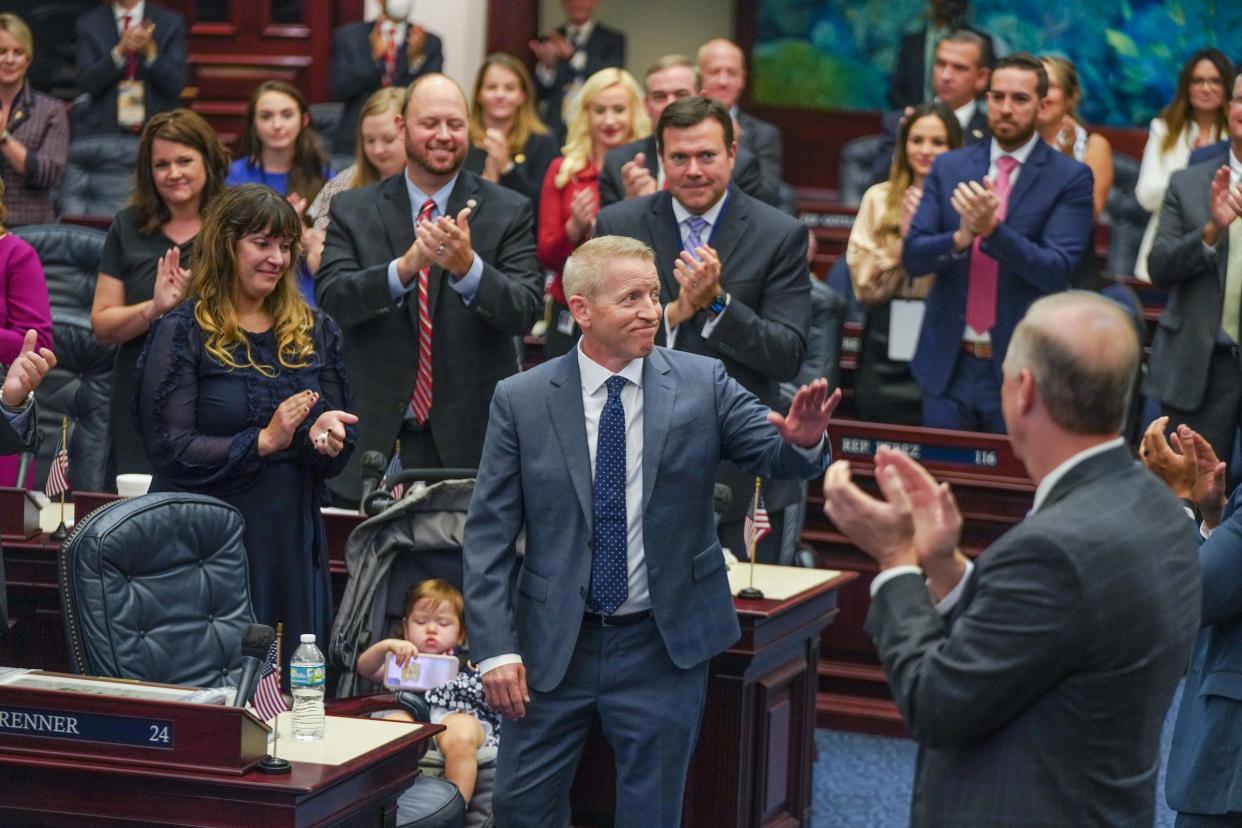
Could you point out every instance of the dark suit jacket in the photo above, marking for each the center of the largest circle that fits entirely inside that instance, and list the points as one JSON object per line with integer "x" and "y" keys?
{"x": 890, "y": 125}
{"x": 1182, "y": 347}
{"x": 746, "y": 174}
{"x": 761, "y": 337}
{"x": 1046, "y": 229}
{"x": 605, "y": 48}
{"x": 762, "y": 140}
{"x": 354, "y": 76}
{"x": 526, "y": 177}
{"x": 1204, "y": 775}
{"x": 1039, "y": 699}
{"x": 536, "y": 475}
{"x": 909, "y": 77}
{"x": 472, "y": 347}
{"x": 98, "y": 75}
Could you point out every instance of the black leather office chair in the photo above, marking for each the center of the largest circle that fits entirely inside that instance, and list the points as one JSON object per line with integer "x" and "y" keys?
{"x": 157, "y": 588}
{"x": 99, "y": 176}
{"x": 80, "y": 385}
{"x": 1126, "y": 218}
{"x": 855, "y": 170}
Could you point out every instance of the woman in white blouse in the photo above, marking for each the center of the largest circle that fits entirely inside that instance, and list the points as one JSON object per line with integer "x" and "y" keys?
{"x": 1197, "y": 116}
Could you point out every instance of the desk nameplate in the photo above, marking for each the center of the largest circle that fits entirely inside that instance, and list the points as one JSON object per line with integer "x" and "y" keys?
{"x": 76, "y": 725}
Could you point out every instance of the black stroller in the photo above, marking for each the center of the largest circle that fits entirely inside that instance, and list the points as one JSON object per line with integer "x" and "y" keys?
{"x": 415, "y": 538}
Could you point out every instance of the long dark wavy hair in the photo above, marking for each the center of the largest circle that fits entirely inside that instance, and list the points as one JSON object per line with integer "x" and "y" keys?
{"x": 1177, "y": 114}
{"x": 309, "y": 161}
{"x": 181, "y": 126}
{"x": 238, "y": 212}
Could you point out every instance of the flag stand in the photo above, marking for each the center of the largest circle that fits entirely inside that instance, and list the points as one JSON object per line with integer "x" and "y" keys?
{"x": 273, "y": 764}
{"x": 749, "y": 592}
{"x": 62, "y": 531}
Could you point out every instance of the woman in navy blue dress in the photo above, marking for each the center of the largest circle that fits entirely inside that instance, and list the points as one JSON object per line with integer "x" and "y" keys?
{"x": 242, "y": 396}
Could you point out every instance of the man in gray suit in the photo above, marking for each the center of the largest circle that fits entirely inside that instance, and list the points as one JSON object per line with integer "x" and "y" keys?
{"x": 429, "y": 309}
{"x": 737, "y": 288}
{"x": 722, "y": 67}
{"x": 606, "y": 458}
{"x": 1197, "y": 254}
{"x": 1036, "y": 679}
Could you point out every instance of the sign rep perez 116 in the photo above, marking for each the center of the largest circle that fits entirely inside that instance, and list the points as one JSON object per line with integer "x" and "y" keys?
{"x": 133, "y": 731}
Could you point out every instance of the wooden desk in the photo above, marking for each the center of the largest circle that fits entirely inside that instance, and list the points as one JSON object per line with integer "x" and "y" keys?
{"x": 753, "y": 762}
{"x": 360, "y": 792}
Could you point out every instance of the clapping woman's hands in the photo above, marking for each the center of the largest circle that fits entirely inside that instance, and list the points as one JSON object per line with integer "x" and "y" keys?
{"x": 327, "y": 434}
{"x": 277, "y": 435}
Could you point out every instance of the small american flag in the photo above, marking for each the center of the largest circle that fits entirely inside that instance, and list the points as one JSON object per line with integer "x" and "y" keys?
{"x": 58, "y": 475}
{"x": 268, "y": 701}
{"x": 394, "y": 466}
{"x": 757, "y": 526}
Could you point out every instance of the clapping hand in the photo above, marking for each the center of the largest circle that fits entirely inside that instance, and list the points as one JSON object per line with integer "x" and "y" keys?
{"x": 581, "y": 222}
{"x": 884, "y": 529}
{"x": 1189, "y": 467}
{"x": 909, "y": 206}
{"x": 976, "y": 203}
{"x": 1226, "y": 201}
{"x": 277, "y": 435}
{"x": 498, "y": 158}
{"x": 446, "y": 242}
{"x": 636, "y": 178}
{"x": 698, "y": 275}
{"x": 171, "y": 282}
{"x": 327, "y": 434}
{"x": 551, "y": 49}
{"x": 298, "y": 203}
{"x": 415, "y": 42}
{"x": 808, "y": 415}
{"x": 26, "y": 372}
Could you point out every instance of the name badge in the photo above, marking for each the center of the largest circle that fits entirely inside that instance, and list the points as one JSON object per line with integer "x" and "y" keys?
{"x": 133, "y": 731}
{"x": 130, "y": 109}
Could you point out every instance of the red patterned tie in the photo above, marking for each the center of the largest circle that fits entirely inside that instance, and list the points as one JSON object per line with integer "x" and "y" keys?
{"x": 390, "y": 58}
{"x": 131, "y": 57}
{"x": 421, "y": 401}
{"x": 981, "y": 289}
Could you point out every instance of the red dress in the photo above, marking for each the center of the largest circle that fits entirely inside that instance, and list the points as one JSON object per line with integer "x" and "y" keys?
{"x": 554, "y": 244}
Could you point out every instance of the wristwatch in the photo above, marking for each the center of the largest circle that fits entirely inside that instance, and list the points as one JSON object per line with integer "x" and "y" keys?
{"x": 719, "y": 304}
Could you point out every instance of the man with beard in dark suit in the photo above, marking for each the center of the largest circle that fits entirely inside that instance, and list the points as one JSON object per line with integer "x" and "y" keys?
{"x": 733, "y": 278}
{"x": 1036, "y": 678}
{"x": 430, "y": 274}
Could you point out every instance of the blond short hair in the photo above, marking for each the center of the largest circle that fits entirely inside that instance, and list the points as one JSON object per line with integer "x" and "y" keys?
{"x": 587, "y": 268}
{"x": 17, "y": 27}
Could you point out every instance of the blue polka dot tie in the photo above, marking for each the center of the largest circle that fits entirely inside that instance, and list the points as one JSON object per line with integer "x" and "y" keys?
{"x": 609, "y": 574}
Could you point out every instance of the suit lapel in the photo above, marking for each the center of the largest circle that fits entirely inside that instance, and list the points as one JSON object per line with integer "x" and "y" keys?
{"x": 395, "y": 214}
{"x": 659, "y": 394}
{"x": 980, "y": 159}
{"x": 666, "y": 239}
{"x": 568, "y": 420}
{"x": 651, "y": 156}
{"x": 732, "y": 226}
{"x": 1030, "y": 172}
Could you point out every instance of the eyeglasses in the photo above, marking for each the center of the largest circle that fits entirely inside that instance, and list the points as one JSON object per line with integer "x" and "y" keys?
{"x": 1217, "y": 82}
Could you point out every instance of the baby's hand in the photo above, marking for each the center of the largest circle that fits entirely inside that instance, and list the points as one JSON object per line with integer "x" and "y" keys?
{"x": 402, "y": 649}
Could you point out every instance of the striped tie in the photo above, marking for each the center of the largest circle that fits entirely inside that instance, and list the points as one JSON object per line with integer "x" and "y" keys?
{"x": 421, "y": 401}
{"x": 695, "y": 225}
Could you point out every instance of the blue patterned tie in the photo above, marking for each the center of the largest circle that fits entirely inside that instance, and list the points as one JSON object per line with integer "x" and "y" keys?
{"x": 696, "y": 225}
{"x": 609, "y": 573}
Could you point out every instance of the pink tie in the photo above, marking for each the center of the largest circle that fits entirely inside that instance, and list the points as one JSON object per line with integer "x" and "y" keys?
{"x": 421, "y": 401}
{"x": 981, "y": 289}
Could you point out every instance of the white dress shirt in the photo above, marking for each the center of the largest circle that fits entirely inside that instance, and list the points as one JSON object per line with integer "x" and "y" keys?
{"x": 965, "y": 112}
{"x": 949, "y": 601}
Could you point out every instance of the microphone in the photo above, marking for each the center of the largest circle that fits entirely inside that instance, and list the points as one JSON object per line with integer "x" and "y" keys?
{"x": 255, "y": 644}
{"x": 373, "y": 468}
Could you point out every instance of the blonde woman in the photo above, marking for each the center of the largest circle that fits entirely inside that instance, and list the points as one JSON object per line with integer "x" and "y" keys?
{"x": 379, "y": 154}
{"x": 884, "y": 389}
{"x": 607, "y": 113}
{"x": 1197, "y": 116}
{"x": 242, "y": 396}
{"x": 509, "y": 145}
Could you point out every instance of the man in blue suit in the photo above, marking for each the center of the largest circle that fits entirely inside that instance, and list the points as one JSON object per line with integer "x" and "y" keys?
{"x": 1001, "y": 223}
{"x": 606, "y": 457}
{"x": 122, "y": 47}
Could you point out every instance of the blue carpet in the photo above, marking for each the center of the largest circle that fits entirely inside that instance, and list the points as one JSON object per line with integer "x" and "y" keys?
{"x": 865, "y": 781}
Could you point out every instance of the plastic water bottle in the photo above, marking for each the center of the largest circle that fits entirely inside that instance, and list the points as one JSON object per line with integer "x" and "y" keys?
{"x": 306, "y": 680}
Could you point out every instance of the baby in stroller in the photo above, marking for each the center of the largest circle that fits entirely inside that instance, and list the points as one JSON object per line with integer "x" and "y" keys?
{"x": 433, "y": 621}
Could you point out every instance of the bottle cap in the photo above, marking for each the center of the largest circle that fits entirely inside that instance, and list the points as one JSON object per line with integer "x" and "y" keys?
{"x": 308, "y": 638}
